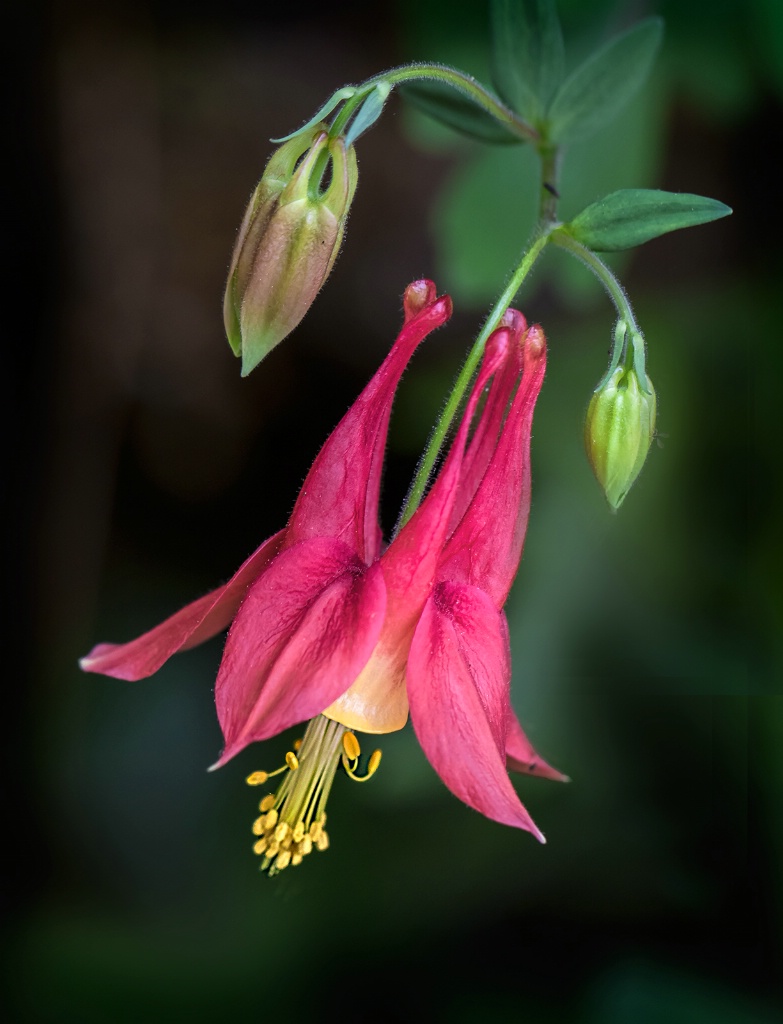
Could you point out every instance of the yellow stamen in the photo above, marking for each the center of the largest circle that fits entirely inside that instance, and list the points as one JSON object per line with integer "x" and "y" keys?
{"x": 372, "y": 767}
{"x": 293, "y": 819}
{"x": 351, "y": 746}
{"x": 271, "y": 819}
{"x": 259, "y": 778}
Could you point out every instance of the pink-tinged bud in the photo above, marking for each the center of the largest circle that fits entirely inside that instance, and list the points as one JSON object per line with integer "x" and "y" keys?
{"x": 619, "y": 429}
{"x": 288, "y": 241}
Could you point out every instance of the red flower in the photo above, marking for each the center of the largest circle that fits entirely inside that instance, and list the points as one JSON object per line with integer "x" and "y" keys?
{"x": 327, "y": 626}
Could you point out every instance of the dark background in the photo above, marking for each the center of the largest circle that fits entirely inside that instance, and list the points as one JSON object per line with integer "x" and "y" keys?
{"x": 140, "y": 470}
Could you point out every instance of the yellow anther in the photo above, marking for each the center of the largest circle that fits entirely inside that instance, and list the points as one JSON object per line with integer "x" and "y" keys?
{"x": 287, "y": 843}
{"x": 282, "y": 830}
{"x": 297, "y": 744}
{"x": 372, "y": 767}
{"x": 315, "y": 830}
{"x": 271, "y": 819}
{"x": 267, "y": 803}
{"x": 273, "y": 849}
{"x": 258, "y": 826}
{"x": 306, "y": 846}
{"x": 299, "y": 832}
{"x": 283, "y": 860}
{"x": 322, "y": 842}
{"x": 296, "y": 858}
{"x": 259, "y": 778}
{"x": 260, "y": 846}
{"x": 351, "y": 746}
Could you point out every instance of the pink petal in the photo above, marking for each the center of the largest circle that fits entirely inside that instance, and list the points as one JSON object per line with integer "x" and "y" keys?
{"x": 301, "y": 637}
{"x": 458, "y": 671}
{"x": 339, "y": 498}
{"x": 486, "y": 556}
{"x": 521, "y": 757}
{"x": 485, "y": 435}
{"x": 191, "y": 625}
{"x": 411, "y": 560}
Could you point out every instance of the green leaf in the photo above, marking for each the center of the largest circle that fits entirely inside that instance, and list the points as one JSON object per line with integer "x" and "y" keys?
{"x": 635, "y": 215}
{"x": 368, "y": 113}
{"x": 604, "y": 83}
{"x": 334, "y": 100}
{"x": 527, "y": 54}
{"x": 458, "y": 111}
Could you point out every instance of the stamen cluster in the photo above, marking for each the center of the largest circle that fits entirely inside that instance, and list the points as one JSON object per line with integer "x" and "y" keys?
{"x": 292, "y": 820}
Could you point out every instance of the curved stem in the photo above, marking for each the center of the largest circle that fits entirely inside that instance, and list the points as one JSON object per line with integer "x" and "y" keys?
{"x": 463, "y": 380}
{"x": 464, "y": 83}
{"x": 602, "y": 272}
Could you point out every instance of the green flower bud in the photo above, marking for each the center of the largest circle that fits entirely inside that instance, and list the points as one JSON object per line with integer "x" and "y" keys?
{"x": 288, "y": 241}
{"x": 619, "y": 429}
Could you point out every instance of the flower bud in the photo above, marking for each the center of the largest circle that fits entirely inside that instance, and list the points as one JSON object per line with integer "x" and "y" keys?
{"x": 288, "y": 241}
{"x": 619, "y": 429}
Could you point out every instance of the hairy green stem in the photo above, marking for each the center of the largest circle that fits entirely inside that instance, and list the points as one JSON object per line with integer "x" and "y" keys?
{"x": 465, "y": 376}
{"x": 602, "y": 272}
{"x": 464, "y": 83}
{"x": 550, "y": 168}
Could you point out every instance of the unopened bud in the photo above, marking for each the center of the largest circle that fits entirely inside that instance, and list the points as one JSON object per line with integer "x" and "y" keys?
{"x": 288, "y": 241}
{"x": 619, "y": 429}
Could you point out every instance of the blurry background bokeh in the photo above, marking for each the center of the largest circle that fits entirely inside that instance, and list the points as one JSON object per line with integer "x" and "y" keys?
{"x": 141, "y": 470}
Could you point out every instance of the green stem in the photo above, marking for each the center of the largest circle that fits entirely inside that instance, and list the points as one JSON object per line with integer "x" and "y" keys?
{"x": 602, "y": 272}
{"x": 550, "y": 172}
{"x": 346, "y": 111}
{"x": 464, "y": 83}
{"x": 465, "y": 375}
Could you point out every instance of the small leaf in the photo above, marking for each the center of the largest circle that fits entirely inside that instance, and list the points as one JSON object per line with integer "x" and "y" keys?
{"x": 458, "y": 111}
{"x": 604, "y": 83}
{"x": 527, "y": 54}
{"x": 368, "y": 113}
{"x": 342, "y": 94}
{"x": 635, "y": 215}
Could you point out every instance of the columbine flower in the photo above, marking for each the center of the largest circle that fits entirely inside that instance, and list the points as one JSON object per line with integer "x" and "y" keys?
{"x": 324, "y": 621}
